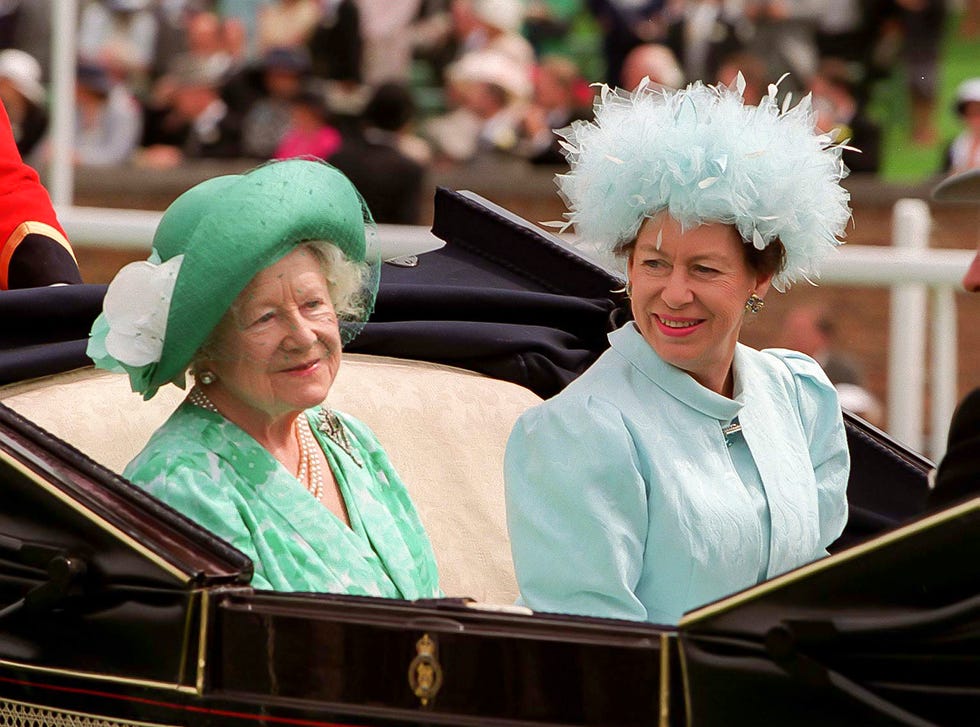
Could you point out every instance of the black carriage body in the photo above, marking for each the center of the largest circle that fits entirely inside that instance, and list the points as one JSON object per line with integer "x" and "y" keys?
{"x": 155, "y": 624}
{"x": 116, "y": 610}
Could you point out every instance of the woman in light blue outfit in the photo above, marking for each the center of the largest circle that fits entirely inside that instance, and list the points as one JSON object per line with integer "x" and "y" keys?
{"x": 684, "y": 466}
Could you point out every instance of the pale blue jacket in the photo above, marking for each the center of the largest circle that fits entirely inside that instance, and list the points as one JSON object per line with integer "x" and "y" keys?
{"x": 625, "y": 499}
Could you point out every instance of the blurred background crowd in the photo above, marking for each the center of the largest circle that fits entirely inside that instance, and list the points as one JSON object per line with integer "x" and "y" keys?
{"x": 386, "y": 89}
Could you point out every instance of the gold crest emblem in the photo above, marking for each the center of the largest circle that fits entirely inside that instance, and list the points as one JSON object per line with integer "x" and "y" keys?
{"x": 425, "y": 673}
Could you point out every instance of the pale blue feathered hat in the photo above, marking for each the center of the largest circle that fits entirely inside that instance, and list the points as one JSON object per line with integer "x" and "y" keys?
{"x": 702, "y": 155}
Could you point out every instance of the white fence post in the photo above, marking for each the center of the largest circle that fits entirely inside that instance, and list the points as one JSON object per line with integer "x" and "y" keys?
{"x": 61, "y": 170}
{"x": 906, "y": 338}
{"x": 944, "y": 367}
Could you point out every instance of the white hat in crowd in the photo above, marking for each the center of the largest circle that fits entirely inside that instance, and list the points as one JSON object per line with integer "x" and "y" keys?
{"x": 24, "y": 72}
{"x": 507, "y": 15}
{"x": 966, "y": 92}
{"x": 488, "y": 66}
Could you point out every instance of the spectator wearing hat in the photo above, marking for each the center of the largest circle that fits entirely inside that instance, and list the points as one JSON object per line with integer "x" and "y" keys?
{"x": 262, "y": 95}
{"x": 309, "y": 133}
{"x": 190, "y": 121}
{"x": 964, "y": 151}
{"x": 34, "y": 250}
{"x": 490, "y": 91}
{"x": 24, "y": 98}
{"x": 108, "y": 119}
{"x": 383, "y": 159}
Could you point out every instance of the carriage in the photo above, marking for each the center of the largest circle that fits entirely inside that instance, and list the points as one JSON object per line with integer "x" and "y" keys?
{"x": 116, "y": 610}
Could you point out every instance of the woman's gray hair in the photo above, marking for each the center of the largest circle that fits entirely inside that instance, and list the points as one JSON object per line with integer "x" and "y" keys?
{"x": 345, "y": 278}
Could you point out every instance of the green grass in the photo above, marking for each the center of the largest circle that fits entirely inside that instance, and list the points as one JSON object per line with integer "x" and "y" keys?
{"x": 903, "y": 161}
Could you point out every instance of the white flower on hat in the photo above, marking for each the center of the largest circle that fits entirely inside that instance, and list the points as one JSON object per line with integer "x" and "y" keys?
{"x": 136, "y": 307}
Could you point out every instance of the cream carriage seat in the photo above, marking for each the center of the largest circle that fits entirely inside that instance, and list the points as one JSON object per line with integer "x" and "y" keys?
{"x": 443, "y": 428}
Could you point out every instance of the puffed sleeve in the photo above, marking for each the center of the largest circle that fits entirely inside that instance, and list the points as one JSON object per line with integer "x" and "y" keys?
{"x": 34, "y": 250}
{"x": 189, "y": 482}
{"x": 823, "y": 424}
{"x": 576, "y": 510}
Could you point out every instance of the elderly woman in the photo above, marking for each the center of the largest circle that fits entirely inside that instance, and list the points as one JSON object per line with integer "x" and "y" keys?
{"x": 254, "y": 284}
{"x": 683, "y": 465}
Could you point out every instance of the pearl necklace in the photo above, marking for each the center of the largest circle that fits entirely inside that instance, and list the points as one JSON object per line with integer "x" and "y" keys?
{"x": 309, "y": 463}
{"x": 310, "y": 475}
{"x": 200, "y": 399}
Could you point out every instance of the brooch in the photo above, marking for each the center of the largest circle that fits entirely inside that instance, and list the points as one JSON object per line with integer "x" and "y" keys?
{"x": 333, "y": 429}
{"x": 730, "y": 430}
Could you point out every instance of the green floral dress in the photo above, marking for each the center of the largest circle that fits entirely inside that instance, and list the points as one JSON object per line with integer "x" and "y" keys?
{"x": 210, "y": 470}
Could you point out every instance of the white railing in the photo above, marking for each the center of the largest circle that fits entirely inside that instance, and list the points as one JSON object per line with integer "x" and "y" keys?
{"x": 116, "y": 228}
{"x": 923, "y": 284}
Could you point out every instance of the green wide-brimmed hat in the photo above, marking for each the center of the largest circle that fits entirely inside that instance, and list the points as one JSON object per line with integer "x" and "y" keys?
{"x": 209, "y": 244}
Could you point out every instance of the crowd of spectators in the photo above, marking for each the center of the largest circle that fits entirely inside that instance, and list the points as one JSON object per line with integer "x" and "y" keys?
{"x": 386, "y": 89}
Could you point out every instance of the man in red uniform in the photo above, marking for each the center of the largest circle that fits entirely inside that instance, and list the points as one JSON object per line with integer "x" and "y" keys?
{"x": 34, "y": 250}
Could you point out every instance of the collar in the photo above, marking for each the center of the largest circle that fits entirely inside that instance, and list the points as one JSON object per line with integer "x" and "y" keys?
{"x": 630, "y": 344}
